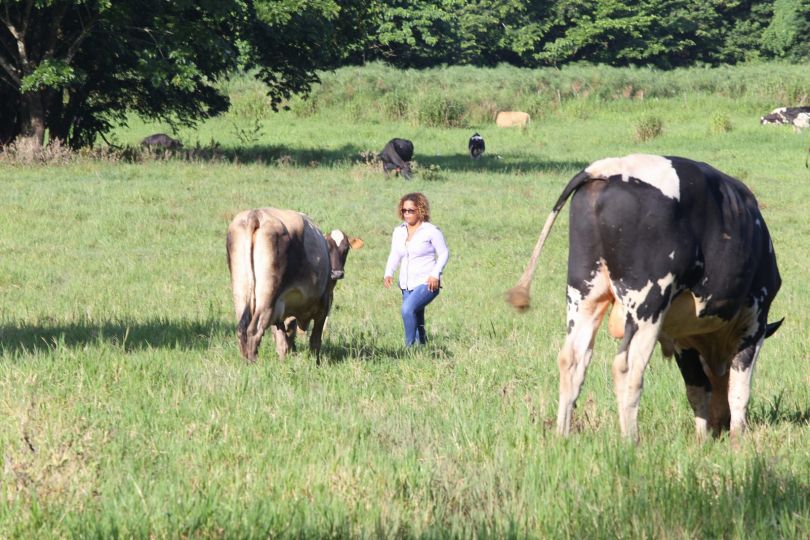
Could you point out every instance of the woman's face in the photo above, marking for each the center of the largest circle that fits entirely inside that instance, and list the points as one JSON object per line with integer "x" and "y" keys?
{"x": 410, "y": 214}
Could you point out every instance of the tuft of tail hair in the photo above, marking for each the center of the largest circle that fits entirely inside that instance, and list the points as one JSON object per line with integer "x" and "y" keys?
{"x": 519, "y": 295}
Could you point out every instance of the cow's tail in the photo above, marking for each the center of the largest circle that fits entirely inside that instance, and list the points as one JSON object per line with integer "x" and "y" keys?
{"x": 519, "y": 295}
{"x": 240, "y": 243}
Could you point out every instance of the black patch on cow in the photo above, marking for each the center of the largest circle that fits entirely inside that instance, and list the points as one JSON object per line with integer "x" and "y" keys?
{"x": 692, "y": 369}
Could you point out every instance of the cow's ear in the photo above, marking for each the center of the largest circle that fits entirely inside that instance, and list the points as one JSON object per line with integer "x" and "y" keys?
{"x": 356, "y": 243}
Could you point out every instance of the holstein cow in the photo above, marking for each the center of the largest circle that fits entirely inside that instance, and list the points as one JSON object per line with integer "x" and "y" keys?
{"x": 282, "y": 267}
{"x": 476, "y": 146}
{"x": 396, "y": 156}
{"x": 161, "y": 140}
{"x": 512, "y": 119}
{"x": 682, "y": 253}
{"x": 798, "y": 117}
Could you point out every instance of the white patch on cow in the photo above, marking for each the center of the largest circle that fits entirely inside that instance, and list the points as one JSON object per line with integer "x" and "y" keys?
{"x": 665, "y": 282}
{"x": 656, "y": 171}
{"x": 632, "y": 299}
{"x": 802, "y": 120}
{"x": 337, "y": 236}
{"x": 757, "y": 222}
{"x": 672, "y": 255}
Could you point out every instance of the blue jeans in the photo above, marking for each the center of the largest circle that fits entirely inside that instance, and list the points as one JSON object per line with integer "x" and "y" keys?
{"x": 413, "y": 313}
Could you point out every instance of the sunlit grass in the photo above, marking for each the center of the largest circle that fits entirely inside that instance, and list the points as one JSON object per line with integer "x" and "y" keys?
{"x": 129, "y": 412}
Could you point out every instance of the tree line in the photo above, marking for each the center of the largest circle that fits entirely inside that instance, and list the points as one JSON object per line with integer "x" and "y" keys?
{"x": 75, "y": 68}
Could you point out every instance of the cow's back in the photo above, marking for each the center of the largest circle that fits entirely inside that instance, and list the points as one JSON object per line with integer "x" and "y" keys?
{"x": 512, "y": 119}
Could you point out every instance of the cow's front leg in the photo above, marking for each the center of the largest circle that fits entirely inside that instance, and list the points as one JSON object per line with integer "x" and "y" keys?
{"x": 698, "y": 389}
{"x": 280, "y": 337}
{"x": 739, "y": 387}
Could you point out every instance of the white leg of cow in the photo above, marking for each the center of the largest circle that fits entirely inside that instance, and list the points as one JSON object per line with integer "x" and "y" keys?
{"x": 620, "y": 368}
{"x": 739, "y": 387}
{"x": 280, "y": 338}
{"x": 575, "y": 356}
{"x": 638, "y": 356}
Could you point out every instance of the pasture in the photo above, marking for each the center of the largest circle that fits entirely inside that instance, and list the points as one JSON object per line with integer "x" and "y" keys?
{"x": 127, "y": 410}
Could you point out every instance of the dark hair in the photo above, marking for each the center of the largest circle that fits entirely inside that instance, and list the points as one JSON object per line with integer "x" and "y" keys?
{"x": 421, "y": 202}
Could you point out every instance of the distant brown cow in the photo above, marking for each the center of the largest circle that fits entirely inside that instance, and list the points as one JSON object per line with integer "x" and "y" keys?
{"x": 281, "y": 267}
{"x": 512, "y": 119}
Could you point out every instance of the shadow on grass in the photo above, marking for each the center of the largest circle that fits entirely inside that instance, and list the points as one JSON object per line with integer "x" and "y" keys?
{"x": 337, "y": 352}
{"x": 282, "y": 155}
{"x": 130, "y": 335}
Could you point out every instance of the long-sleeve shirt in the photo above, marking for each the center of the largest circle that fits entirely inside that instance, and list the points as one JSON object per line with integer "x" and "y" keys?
{"x": 424, "y": 255}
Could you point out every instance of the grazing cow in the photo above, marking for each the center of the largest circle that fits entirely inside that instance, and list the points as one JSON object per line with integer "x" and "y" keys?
{"x": 161, "y": 140}
{"x": 682, "y": 253}
{"x": 476, "y": 146}
{"x": 512, "y": 119}
{"x": 798, "y": 117}
{"x": 396, "y": 157}
{"x": 281, "y": 267}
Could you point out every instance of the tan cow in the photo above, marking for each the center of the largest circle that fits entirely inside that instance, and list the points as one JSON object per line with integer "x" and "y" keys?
{"x": 512, "y": 119}
{"x": 282, "y": 269}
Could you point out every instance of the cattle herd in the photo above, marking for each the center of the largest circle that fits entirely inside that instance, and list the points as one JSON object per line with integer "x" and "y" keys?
{"x": 674, "y": 250}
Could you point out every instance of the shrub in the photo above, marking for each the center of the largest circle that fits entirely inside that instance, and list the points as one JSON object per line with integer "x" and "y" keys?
{"x": 438, "y": 110}
{"x": 720, "y": 123}
{"x": 648, "y": 128}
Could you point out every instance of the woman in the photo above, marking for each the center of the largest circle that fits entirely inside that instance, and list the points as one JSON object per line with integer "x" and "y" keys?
{"x": 419, "y": 250}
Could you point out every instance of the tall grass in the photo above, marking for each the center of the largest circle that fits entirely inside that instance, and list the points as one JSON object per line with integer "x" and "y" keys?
{"x": 128, "y": 412}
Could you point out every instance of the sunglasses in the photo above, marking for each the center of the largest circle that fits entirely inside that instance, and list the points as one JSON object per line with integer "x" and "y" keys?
{"x": 409, "y": 210}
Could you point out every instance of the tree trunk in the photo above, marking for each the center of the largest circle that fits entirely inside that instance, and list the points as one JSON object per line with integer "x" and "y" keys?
{"x": 33, "y": 122}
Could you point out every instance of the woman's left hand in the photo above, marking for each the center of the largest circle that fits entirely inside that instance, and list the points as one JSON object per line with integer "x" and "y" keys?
{"x": 433, "y": 284}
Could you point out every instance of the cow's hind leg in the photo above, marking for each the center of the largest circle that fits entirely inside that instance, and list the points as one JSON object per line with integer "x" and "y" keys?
{"x": 628, "y": 372}
{"x": 739, "y": 387}
{"x": 698, "y": 388}
{"x": 584, "y": 316}
{"x": 269, "y": 241}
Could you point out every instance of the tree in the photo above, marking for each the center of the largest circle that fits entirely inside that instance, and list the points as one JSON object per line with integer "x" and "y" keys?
{"x": 77, "y": 67}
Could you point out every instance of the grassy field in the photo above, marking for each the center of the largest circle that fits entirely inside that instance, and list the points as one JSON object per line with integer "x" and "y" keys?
{"x": 128, "y": 412}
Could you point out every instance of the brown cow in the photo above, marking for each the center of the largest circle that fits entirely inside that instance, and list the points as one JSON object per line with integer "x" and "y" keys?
{"x": 282, "y": 267}
{"x": 512, "y": 119}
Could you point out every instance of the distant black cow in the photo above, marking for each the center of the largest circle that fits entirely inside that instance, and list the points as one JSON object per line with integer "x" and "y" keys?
{"x": 161, "y": 140}
{"x": 681, "y": 252}
{"x": 798, "y": 117}
{"x": 396, "y": 157}
{"x": 476, "y": 146}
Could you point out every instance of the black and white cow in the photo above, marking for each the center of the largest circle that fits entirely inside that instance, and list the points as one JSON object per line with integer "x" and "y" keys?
{"x": 476, "y": 146}
{"x": 682, "y": 253}
{"x": 396, "y": 156}
{"x": 798, "y": 117}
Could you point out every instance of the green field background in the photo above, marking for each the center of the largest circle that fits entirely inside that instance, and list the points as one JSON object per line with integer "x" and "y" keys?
{"x": 126, "y": 410}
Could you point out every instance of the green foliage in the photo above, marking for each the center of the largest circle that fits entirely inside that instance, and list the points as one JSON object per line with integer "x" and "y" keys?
{"x": 786, "y": 36}
{"x": 719, "y": 123}
{"x": 51, "y": 74}
{"x": 649, "y": 127}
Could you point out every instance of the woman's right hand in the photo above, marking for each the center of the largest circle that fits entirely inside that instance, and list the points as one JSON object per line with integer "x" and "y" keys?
{"x": 387, "y": 281}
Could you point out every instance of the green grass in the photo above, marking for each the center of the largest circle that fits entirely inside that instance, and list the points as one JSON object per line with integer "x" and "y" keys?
{"x": 128, "y": 412}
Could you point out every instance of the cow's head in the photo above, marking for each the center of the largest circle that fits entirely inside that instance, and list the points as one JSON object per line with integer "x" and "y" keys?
{"x": 339, "y": 245}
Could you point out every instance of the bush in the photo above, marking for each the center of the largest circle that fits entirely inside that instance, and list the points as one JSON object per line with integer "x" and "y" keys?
{"x": 439, "y": 110}
{"x": 720, "y": 123}
{"x": 648, "y": 128}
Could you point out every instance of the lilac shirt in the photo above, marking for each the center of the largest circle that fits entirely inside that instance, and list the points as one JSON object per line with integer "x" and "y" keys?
{"x": 424, "y": 255}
